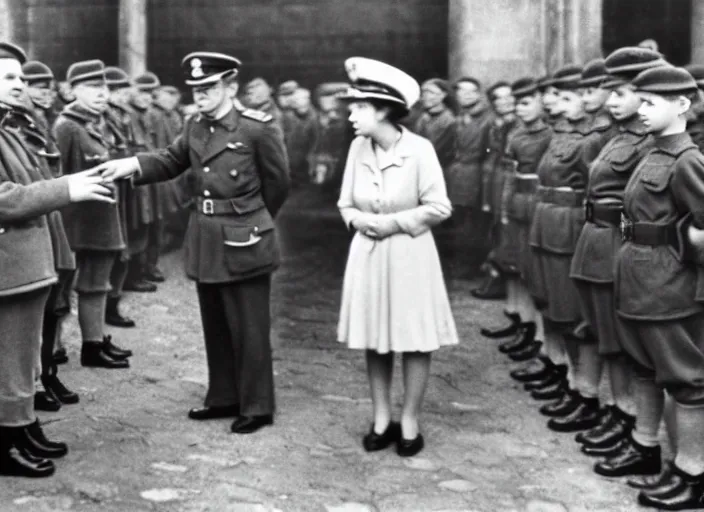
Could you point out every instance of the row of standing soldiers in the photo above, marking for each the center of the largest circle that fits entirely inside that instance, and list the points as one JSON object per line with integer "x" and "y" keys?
{"x": 592, "y": 181}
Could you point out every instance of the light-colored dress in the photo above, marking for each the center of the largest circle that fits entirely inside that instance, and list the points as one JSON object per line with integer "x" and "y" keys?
{"x": 394, "y": 297}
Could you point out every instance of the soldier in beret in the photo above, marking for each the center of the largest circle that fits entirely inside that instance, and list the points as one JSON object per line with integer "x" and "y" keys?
{"x": 331, "y": 135}
{"x": 239, "y": 164}
{"x": 257, "y": 95}
{"x": 284, "y": 93}
{"x": 546, "y": 87}
{"x": 94, "y": 230}
{"x": 437, "y": 123}
{"x": 301, "y": 128}
{"x": 29, "y": 273}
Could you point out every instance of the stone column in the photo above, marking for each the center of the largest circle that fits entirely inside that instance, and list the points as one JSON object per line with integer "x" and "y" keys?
{"x": 133, "y": 36}
{"x": 697, "y": 29}
{"x": 6, "y": 33}
{"x": 583, "y": 22}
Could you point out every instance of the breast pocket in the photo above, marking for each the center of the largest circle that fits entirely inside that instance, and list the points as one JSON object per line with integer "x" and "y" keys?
{"x": 623, "y": 158}
{"x": 656, "y": 178}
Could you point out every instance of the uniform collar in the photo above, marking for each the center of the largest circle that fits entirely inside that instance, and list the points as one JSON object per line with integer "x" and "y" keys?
{"x": 633, "y": 125}
{"x": 229, "y": 121}
{"x": 75, "y": 111}
{"x": 536, "y": 126}
{"x": 674, "y": 144}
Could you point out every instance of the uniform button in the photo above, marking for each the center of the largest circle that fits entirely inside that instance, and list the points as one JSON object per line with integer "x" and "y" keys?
{"x": 234, "y": 173}
{"x": 206, "y": 193}
{"x": 2, "y": 230}
{"x": 206, "y": 169}
{"x": 212, "y": 129}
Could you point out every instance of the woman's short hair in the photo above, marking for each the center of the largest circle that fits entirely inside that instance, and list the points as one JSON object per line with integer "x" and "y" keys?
{"x": 395, "y": 111}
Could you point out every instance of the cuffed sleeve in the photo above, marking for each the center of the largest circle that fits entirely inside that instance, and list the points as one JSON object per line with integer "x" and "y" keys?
{"x": 25, "y": 202}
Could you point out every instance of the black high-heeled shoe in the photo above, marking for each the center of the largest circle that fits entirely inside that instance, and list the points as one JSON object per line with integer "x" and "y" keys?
{"x": 409, "y": 448}
{"x": 373, "y": 442}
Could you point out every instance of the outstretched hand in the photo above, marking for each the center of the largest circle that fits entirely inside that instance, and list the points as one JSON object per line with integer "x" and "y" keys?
{"x": 90, "y": 186}
{"x": 117, "y": 169}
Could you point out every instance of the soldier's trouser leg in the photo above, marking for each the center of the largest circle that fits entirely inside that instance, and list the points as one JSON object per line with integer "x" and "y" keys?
{"x": 93, "y": 284}
{"x": 155, "y": 241}
{"x": 118, "y": 277}
{"x": 650, "y": 401}
{"x": 690, "y": 430}
{"x": 512, "y": 298}
{"x": 20, "y": 345}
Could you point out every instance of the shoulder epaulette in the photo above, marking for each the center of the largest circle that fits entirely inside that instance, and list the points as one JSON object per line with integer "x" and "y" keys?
{"x": 257, "y": 115}
{"x": 600, "y": 124}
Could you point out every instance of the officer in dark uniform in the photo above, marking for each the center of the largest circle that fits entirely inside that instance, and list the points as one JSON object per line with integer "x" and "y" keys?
{"x": 240, "y": 170}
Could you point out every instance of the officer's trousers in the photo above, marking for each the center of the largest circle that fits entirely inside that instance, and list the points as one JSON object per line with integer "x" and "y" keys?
{"x": 236, "y": 326}
{"x": 20, "y": 341}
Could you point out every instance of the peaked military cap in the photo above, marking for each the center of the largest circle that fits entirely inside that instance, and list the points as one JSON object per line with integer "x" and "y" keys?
{"x": 594, "y": 73}
{"x": 524, "y": 87}
{"x": 545, "y": 82}
{"x": 147, "y": 81}
{"x": 624, "y": 64}
{"x": 287, "y": 88}
{"x": 35, "y": 71}
{"x": 11, "y": 51}
{"x": 568, "y": 77}
{"x": 85, "y": 70}
{"x": 116, "y": 78}
{"x": 202, "y": 68}
{"x": 665, "y": 80}
{"x": 373, "y": 79}
{"x": 697, "y": 72}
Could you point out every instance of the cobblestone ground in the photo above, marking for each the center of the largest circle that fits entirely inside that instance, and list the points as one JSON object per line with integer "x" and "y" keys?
{"x": 132, "y": 448}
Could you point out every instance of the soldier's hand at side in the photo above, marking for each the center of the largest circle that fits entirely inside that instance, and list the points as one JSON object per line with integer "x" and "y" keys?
{"x": 89, "y": 186}
{"x": 118, "y": 169}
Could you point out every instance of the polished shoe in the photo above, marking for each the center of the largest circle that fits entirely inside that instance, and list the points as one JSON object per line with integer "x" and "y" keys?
{"x": 46, "y": 401}
{"x": 14, "y": 463}
{"x": 113, "y": 350}
{"x": 250, "y": 424}
{"x": 60, "y": 357}
{"x": 93, "y": 355}
{"x": 214, "y": 413}
{"x": 33, "y": 439}
{"x": 59, "y": 390}
{"x": 113, "y": 316}
{"x": 608, "y": 451}
{"x": 531, "y": 373}
{"x": 154, "y": 275}
{"x": 620, "y": 427}
{"x": 586, "y": 415}
{"x": 682, "y": 491}
{"x": 650, "y": 482}
{"x": 134, "y": 285}
{"x": 524, "y": 337}
{"x": 527, "y": 353}
{"x": 606, "y": 422}
{"x": 552, "y": 392}
{"x": 566, "y": 405}
{"x": 633, "y": 459}
{"x": 409, "y": 448}
{"x": 492, "y": 288}
{"x": 503, "y": 332}
{"x": 558, "y": 374}
{"x": 373, "y": 442}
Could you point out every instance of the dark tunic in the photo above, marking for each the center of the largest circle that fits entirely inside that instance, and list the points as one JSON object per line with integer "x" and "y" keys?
{"x": 493, "y": 172}
{"x": 439, "y": 129}
{"x": 301, "y": 137}
{"x": 147, "y": 131}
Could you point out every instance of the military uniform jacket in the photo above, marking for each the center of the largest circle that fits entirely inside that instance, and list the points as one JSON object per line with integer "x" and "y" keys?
{"x": 439, "y": 128}
{"x": 464, "y": 175}
{"x": 600, "y": 130}
{"x": 656, "y": 282}
{"x": 598, "y": 244}
{"x": 555, "y": 228}
{"x": 239, "y": 161}
{"x": 26, "y": 254}
{"x": 493, "y": 172}
{"x": 86, "y": 140}
{"x": 301, "y": 138}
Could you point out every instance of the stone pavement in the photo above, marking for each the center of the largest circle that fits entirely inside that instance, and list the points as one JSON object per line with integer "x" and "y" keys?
{"x": 132, "y": 448}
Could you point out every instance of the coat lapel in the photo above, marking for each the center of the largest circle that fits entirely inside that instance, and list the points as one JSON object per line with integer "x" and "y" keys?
{"x": 222, "y": 138}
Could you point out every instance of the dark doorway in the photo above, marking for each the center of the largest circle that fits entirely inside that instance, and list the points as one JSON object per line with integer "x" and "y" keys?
{"x": 628, "y": 22}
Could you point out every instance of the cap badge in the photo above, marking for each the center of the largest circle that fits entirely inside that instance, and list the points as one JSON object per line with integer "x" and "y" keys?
{"x": 352, "y": 71}
{"x": 197, "y": 70}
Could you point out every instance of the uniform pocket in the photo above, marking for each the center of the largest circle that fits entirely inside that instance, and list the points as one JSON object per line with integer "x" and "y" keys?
{"x": 249, "y": 247}
{"x": 622, "y": 158}
{"x": 656, "y": 178}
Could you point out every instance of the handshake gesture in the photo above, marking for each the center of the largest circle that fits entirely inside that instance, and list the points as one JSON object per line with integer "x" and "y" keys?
{"x": 96, "y": 184}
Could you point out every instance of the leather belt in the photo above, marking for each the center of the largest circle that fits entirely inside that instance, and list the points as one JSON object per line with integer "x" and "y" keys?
{"x": 560, "y": 197}
{"x": 208, "y": 206}
{"x": 526, "y": 183}
{"x": 603, "y": 213}
{"x": 648, "y": 233}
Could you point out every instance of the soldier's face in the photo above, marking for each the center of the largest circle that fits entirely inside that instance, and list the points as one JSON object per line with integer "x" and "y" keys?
{"x": 301, "y": 100}
{"x": 93, "y": 95}
{"x": 529, "y": 108}
{"x": 284, "y": 100}
{"x": 551, "y": 101}
{"x": 660, "y": 114}
{"x": 571, "y": 105}
{"x": 41, "y": 94}
{"x": 467, "y": 94}
{"x": 257, "y": 94}
{"x": 623, "y": 103}
{"x": 431, "y": 96}
{"x": 142, "y": 99}
{"x": 12, "y": 84}
{"x": 209, "y": 97}
{"x": 594, "y": 98}
{"x": 365, "y": 118}
{"x": 121, "y": 96}
{"x": 503, "y": 101}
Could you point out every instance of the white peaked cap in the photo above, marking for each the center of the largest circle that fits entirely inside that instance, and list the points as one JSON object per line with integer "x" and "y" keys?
{"x": 373, "y": 79}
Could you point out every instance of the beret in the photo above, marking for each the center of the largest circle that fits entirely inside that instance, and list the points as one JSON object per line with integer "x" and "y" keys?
{"x": 331, "y": 88}
{"x": 665, "y": 80}
{"x": 147, "y": 81}
{"x": 627, "y": 62}
{"x": 202, "y": 68}
{"x": 35, "y": 71}
{"x": 594, "y": 73}
{"x": 524, "y": 87}
{"x": 545, "y": 82}
{"x": 568, "y": 77}
{"x": 441, "y": 84}
{"x": 116, "y": 77}
{"x": 85, "y": 70}
{"x": 287, "y": 88}
{"x": 373, "y": 79}
{"x": 11, "y": 51}
{"x": 697, "y": 72}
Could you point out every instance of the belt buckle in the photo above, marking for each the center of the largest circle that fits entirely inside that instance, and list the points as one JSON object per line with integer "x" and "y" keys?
{"x": 626, "y": 228}
{"x": 208, "y": 207}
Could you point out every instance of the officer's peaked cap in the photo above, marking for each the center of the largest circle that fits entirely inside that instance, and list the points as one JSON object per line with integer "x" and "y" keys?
{"x": 594, "y": 73}
{"x": 11, "y": 51}
{"x": 147, "y": 81}
{"x": 85, "y": 70}
{"x": 665, "y": 80}
{"x": 524, "y": 87}
{"x": 372, "y": 79}
{"x": 202, "y": 68}
{"x": 568, "y": 77}
{"x": 35, "y": 71}
{"x": 116, "y": 77}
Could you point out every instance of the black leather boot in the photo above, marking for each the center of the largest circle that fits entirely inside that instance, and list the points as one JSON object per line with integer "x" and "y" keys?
{"x": 586, "y": 415}
{"x": 33, "y": 439}
{"x": 60, "y": 356}
{"x": 558, "y": 374}
{"x": 93, "y": 355}
{"x": 566, "y": 405}
{"x": 113, "y": 316}
{"x": 619, "y": 427}
{"x": 551, "y": 392}
{"x": 153, "y": 274}
{"x": 534, "y": 374}
{"x": 680, "y": 492}
{"x": 46, "y": 401}
{"x": 608, "y": 451}
{"x": 492, "y": 288}
{"x": 52, "y": 383}
{"x": 14, "y": 463}
{"x": 607, "y": 420}
{"x": 526, "y": 354}
{"x": 650, "y": 482}
{"x": 524, "y": 337}
{"x": 506, "y": 331}
{"x": 113, "y": 350}
{"x": 633, "y": 459}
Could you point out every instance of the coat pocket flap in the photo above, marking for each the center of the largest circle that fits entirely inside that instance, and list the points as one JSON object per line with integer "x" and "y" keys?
{"x": 244, "y": 236}
{"x": 656, "y": 178}
{"x": 622, "y": 157}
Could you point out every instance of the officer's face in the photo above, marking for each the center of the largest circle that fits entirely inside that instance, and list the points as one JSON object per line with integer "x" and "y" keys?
{"x": 623, "y": 103}
{"x": 12, "y": 85}
{"x": 571, "y": 105}
{"x": 142, "y": 99}
{"x": 41, "y": 94}
{"x": 502, "y": 101}
{"x": 659, "y": 114}
{"x": 209, "y": 97}
{"x": 551, "y": 101}
{"x": 365, "y": 118}
{"x": 594, "y": 98}
{"x": 92, "y": 95}
{"x": 431, "y": 96}
{"x": 467, "y": 94}
{"x": 529, "y": 108}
